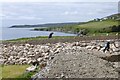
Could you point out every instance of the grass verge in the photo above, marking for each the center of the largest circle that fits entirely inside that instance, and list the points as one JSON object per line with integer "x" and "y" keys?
{"x": 36, "y": 38}
{"x": 12, "y": 71}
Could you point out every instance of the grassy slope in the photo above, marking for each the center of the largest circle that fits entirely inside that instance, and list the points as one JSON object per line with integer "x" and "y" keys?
{"x": 13, "y": 71}
{"x": 99, "y": 24}
{"x": 36, "y": 38}
{"x": 92, "y": 27}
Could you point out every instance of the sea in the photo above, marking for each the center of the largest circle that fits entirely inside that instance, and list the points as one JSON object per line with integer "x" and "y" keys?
{"x": 7, "y": 33}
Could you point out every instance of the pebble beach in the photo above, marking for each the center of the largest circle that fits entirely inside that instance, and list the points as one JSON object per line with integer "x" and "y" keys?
{"x": 79, "y": 59}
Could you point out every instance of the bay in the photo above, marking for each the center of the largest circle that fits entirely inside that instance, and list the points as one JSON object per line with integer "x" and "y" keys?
{"x": 14, "y": 33}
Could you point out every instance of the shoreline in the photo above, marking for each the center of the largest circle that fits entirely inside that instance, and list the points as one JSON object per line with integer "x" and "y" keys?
{"x": 55, "y": 39}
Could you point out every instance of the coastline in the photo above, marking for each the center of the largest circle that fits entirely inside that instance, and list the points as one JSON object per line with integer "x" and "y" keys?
{"x": 55, "y": 39}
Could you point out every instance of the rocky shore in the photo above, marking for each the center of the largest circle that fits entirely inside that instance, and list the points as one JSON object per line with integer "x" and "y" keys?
{"x": 64, "y": 59}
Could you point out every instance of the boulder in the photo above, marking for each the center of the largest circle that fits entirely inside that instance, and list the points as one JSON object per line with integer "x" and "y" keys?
{"x": 76, "y": 44}
{"x": 88, "y": 47}
{"x": 31, "y": 68}
{"x": 27, "y": 45}
{"x": 83, "y": 45}
{"x": 58, "y": 45}
{"x": 20, "y": 53}
{"x": 30, "y": 52}
{"x": 2, "y": 61}
{"x": 115, "y": 65}
{"x": 36, "y": 50}
{"x": 13, "y": 53}
{"x": 24, "y": 62}
{"x": 46, "y": 57}
{"x": 22, "y": 59}
{"x": 57, "y": 51}
{"x": 10, "y": 58}
{"x": 11, "y": 62}
{"x": 39, "y": 59}
{"x": 93, "y": 47}
{"x": 29, "y": 62}
{"x": 46, "y": 54}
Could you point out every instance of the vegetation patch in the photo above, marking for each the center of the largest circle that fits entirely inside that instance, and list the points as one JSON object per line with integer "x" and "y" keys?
{"x": 36, "y": 38}
{"x": 13, "y": 71}
{"x": 106, "y": 26}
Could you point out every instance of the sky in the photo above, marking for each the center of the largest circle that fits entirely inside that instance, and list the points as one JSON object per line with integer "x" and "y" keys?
{"x": 23, "y": 12}
{"x": 59, "y": 0}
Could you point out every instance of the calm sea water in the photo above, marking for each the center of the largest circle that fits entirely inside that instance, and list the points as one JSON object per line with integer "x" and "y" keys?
{"x": 14, "y": 33}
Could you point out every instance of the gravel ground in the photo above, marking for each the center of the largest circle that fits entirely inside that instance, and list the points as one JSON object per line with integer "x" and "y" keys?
{"x": 78, "y": 63}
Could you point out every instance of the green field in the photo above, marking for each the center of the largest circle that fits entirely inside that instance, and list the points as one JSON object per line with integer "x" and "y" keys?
{"x": 105, "y": 26}
{"x": 13, "y": 71}
{"x": 99, "y": 24}
{"x": 96, "y": 27}
{"x": 36, "y": 38}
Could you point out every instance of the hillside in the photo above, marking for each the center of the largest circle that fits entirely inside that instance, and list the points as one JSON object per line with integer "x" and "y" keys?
{"x": 44, "y": 25}
{"x": 103, "y": 25}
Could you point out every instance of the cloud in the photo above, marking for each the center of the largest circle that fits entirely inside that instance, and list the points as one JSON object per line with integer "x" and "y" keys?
{"x": 60, "y": 12}
{"x": 59, "y": 0}
{"x": 29, "y": 17}
{"x": 19, "y": 11}
{"x": 66, "y": 13}
{"x": 2, "y": 15}
{"x": 70, "y": 13}
{"x": 22, "y": 18}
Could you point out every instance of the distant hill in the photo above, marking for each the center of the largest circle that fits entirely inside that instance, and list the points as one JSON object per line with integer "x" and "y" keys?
{"x": 107, "y": 24}
{"x": 111, "y": 17}
{"x": 45, "y": 25}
